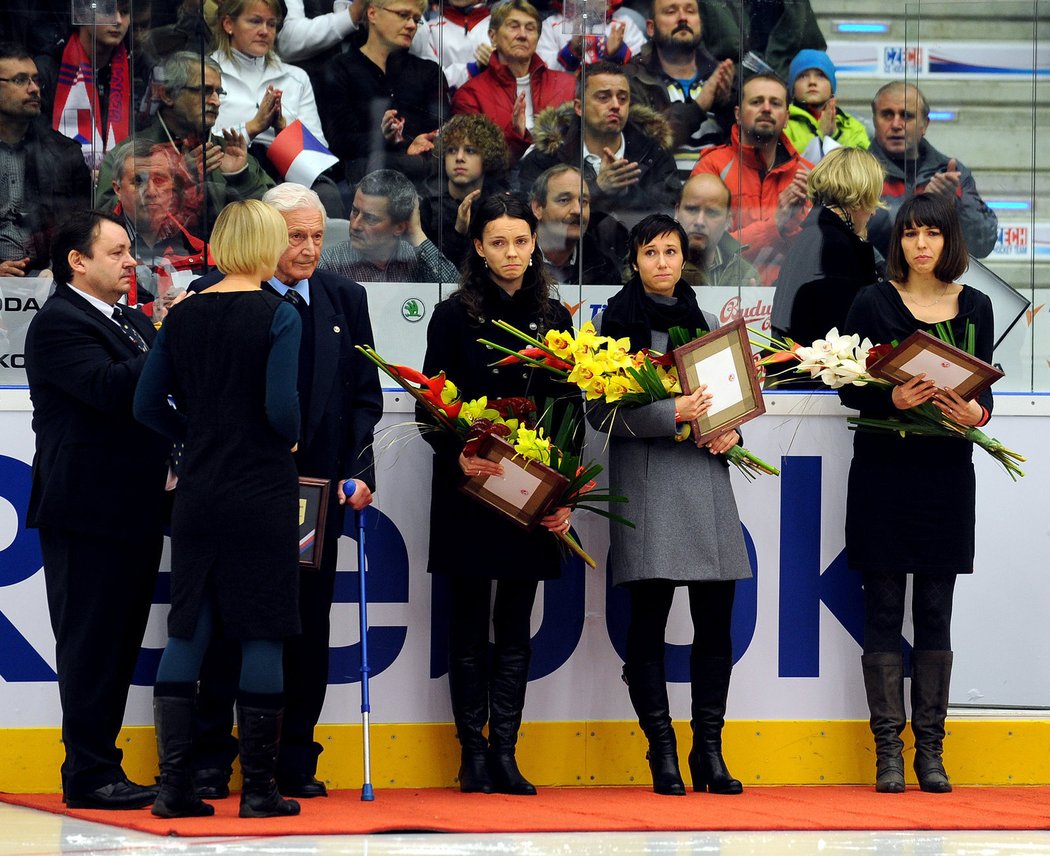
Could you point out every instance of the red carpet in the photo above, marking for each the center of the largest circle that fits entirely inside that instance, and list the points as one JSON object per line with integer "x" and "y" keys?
{"x": 604, "y": 809}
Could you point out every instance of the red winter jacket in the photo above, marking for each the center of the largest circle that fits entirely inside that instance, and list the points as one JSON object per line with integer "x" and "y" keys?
{"x": 755, "y": 193}
{"x": 494, "y": 91}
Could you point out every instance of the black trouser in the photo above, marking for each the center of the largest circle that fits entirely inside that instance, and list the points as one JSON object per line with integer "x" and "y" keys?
{"x": 710, "y": 608}
{"x": 931, "y": 610}
{"x": 99, "y": 593}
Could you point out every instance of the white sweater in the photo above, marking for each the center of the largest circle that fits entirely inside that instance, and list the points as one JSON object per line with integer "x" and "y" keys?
{"x": 245, "y": 79}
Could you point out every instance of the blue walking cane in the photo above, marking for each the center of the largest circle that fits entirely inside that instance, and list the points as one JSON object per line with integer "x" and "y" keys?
{"x": 367, "y": 794}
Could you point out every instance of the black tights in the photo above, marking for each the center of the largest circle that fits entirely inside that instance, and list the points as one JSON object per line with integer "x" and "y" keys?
{"x": 931, "y": 611}
{"x": 468, "y": 624}
{"x": 710, "y": 608}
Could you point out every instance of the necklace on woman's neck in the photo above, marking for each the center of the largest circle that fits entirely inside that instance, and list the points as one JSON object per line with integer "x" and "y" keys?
{"x": 935, "y": 301}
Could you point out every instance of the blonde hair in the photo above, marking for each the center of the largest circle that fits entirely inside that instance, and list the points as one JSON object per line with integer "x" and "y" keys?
{"x": 847, "y": 178}
{"x": 248, "y": 237}
{"x": 234, "y": 9}
{"x": 501, "y": 11}
{"x": 382, "y": 4}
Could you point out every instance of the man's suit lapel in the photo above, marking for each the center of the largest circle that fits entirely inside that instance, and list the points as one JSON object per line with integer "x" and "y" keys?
{"x": 108, "y": 329}
{"x": 329, "y": 329}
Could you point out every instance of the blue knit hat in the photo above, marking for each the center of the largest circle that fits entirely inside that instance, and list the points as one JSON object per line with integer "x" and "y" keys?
{"x": 805, "y": 60}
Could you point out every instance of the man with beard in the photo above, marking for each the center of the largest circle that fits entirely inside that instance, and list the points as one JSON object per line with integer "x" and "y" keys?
{"x": 561, "y": 202}
{"x": 675, "y": 75}
{"x": 765, "y": 174}
{"x": 189, "y": 107}
{"x": 625, "y": 149}
{"x": 713, "y": 255}
{"x": 44, "y": 174}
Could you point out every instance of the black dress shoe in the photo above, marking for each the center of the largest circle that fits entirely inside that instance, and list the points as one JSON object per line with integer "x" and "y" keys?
{"x": 302, "y": 786}
{"x": 117, "y": 795}
{"x": 211, "y": 783}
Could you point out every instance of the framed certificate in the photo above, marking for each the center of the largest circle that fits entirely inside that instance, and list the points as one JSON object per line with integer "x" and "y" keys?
{"x": 524, "y": 492}
{"x": 313, "y": 510}
{"x": 722, "y": 361}
{"x": 947, "y": 366}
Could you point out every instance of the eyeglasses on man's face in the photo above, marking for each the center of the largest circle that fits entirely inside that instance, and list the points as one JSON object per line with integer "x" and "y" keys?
{"x": 209, "y": 91}
{"x": 22, "y": 80}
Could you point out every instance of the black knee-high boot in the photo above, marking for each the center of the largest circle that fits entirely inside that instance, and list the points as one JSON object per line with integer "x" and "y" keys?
{"x": 884, "y": 687}
{"x": 710, "y": 688}
{"x": 931, "y": 673}
{"x": 468, "y": 685}
{"x": 647, "y": 687}
{"x": 173, "y": 717}
{"x": 508, "y": 681}
{"x": 259, "y": 729}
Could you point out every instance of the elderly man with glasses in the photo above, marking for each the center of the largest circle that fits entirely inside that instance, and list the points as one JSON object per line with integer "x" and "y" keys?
{"x": 185, "y": 121}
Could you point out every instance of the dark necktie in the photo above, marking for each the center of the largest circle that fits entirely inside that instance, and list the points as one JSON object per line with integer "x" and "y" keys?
{"x": 295, "y": 298}
{"x": 133, "y": 335}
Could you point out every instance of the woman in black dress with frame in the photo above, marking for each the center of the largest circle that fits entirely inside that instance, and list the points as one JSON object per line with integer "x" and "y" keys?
{"x": 910, "y": 508}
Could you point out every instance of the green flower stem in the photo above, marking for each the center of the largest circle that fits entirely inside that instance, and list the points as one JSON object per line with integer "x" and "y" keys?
{"x": 525, "y": 337}
{"x": 749, "y": 463}
{"x": 571, "y": 543}
{"x": 532, "y": 361}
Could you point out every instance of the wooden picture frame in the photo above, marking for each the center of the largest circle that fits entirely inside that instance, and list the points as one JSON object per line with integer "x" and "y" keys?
{"x": 944, "y": 364}
{"x": 526, "y": 490}
{"x": 313, "y": 513}
{"x": 721, "y": 360}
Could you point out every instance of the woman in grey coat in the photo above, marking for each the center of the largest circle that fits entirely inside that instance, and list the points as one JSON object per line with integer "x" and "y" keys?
{"x": 687, "y": 528}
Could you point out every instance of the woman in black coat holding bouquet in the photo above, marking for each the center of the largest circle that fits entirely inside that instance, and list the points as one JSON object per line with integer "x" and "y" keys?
{"x": 471, "y": 545}
{"x": 911, "y": 499}
{"x": 687, "y": 529}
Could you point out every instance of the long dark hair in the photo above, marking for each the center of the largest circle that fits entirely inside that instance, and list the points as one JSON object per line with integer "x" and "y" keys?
{"x": 474, "y": 280}
{"x": 935, "y": 212}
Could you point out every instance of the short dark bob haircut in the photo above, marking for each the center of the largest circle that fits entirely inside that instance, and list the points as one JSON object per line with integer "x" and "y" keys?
{"x": 649, "y": 229}
{"x": 935, "y": 212}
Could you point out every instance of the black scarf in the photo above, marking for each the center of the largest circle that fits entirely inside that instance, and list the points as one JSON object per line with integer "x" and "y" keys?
{"x": 632, "y": 313}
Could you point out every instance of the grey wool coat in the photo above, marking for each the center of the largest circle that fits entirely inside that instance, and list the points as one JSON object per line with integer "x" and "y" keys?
{"x": 687, "y": 528}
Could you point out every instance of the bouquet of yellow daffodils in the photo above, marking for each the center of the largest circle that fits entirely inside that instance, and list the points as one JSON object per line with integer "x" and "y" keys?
{"x": 604, "y": 368}
{"x": 515, "y": 421}
{"x": 840, "y": 359}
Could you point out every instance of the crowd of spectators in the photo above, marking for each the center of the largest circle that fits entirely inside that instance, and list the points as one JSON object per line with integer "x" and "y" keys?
{"x": 426, "y": 108}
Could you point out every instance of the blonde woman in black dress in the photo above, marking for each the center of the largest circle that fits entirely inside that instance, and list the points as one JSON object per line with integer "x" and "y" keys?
{"x": 229, "y": 358}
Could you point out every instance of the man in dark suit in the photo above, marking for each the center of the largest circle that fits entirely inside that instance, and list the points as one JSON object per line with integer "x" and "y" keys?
{"x": 341, "y": 402}
{"x": 97, "y": 497}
